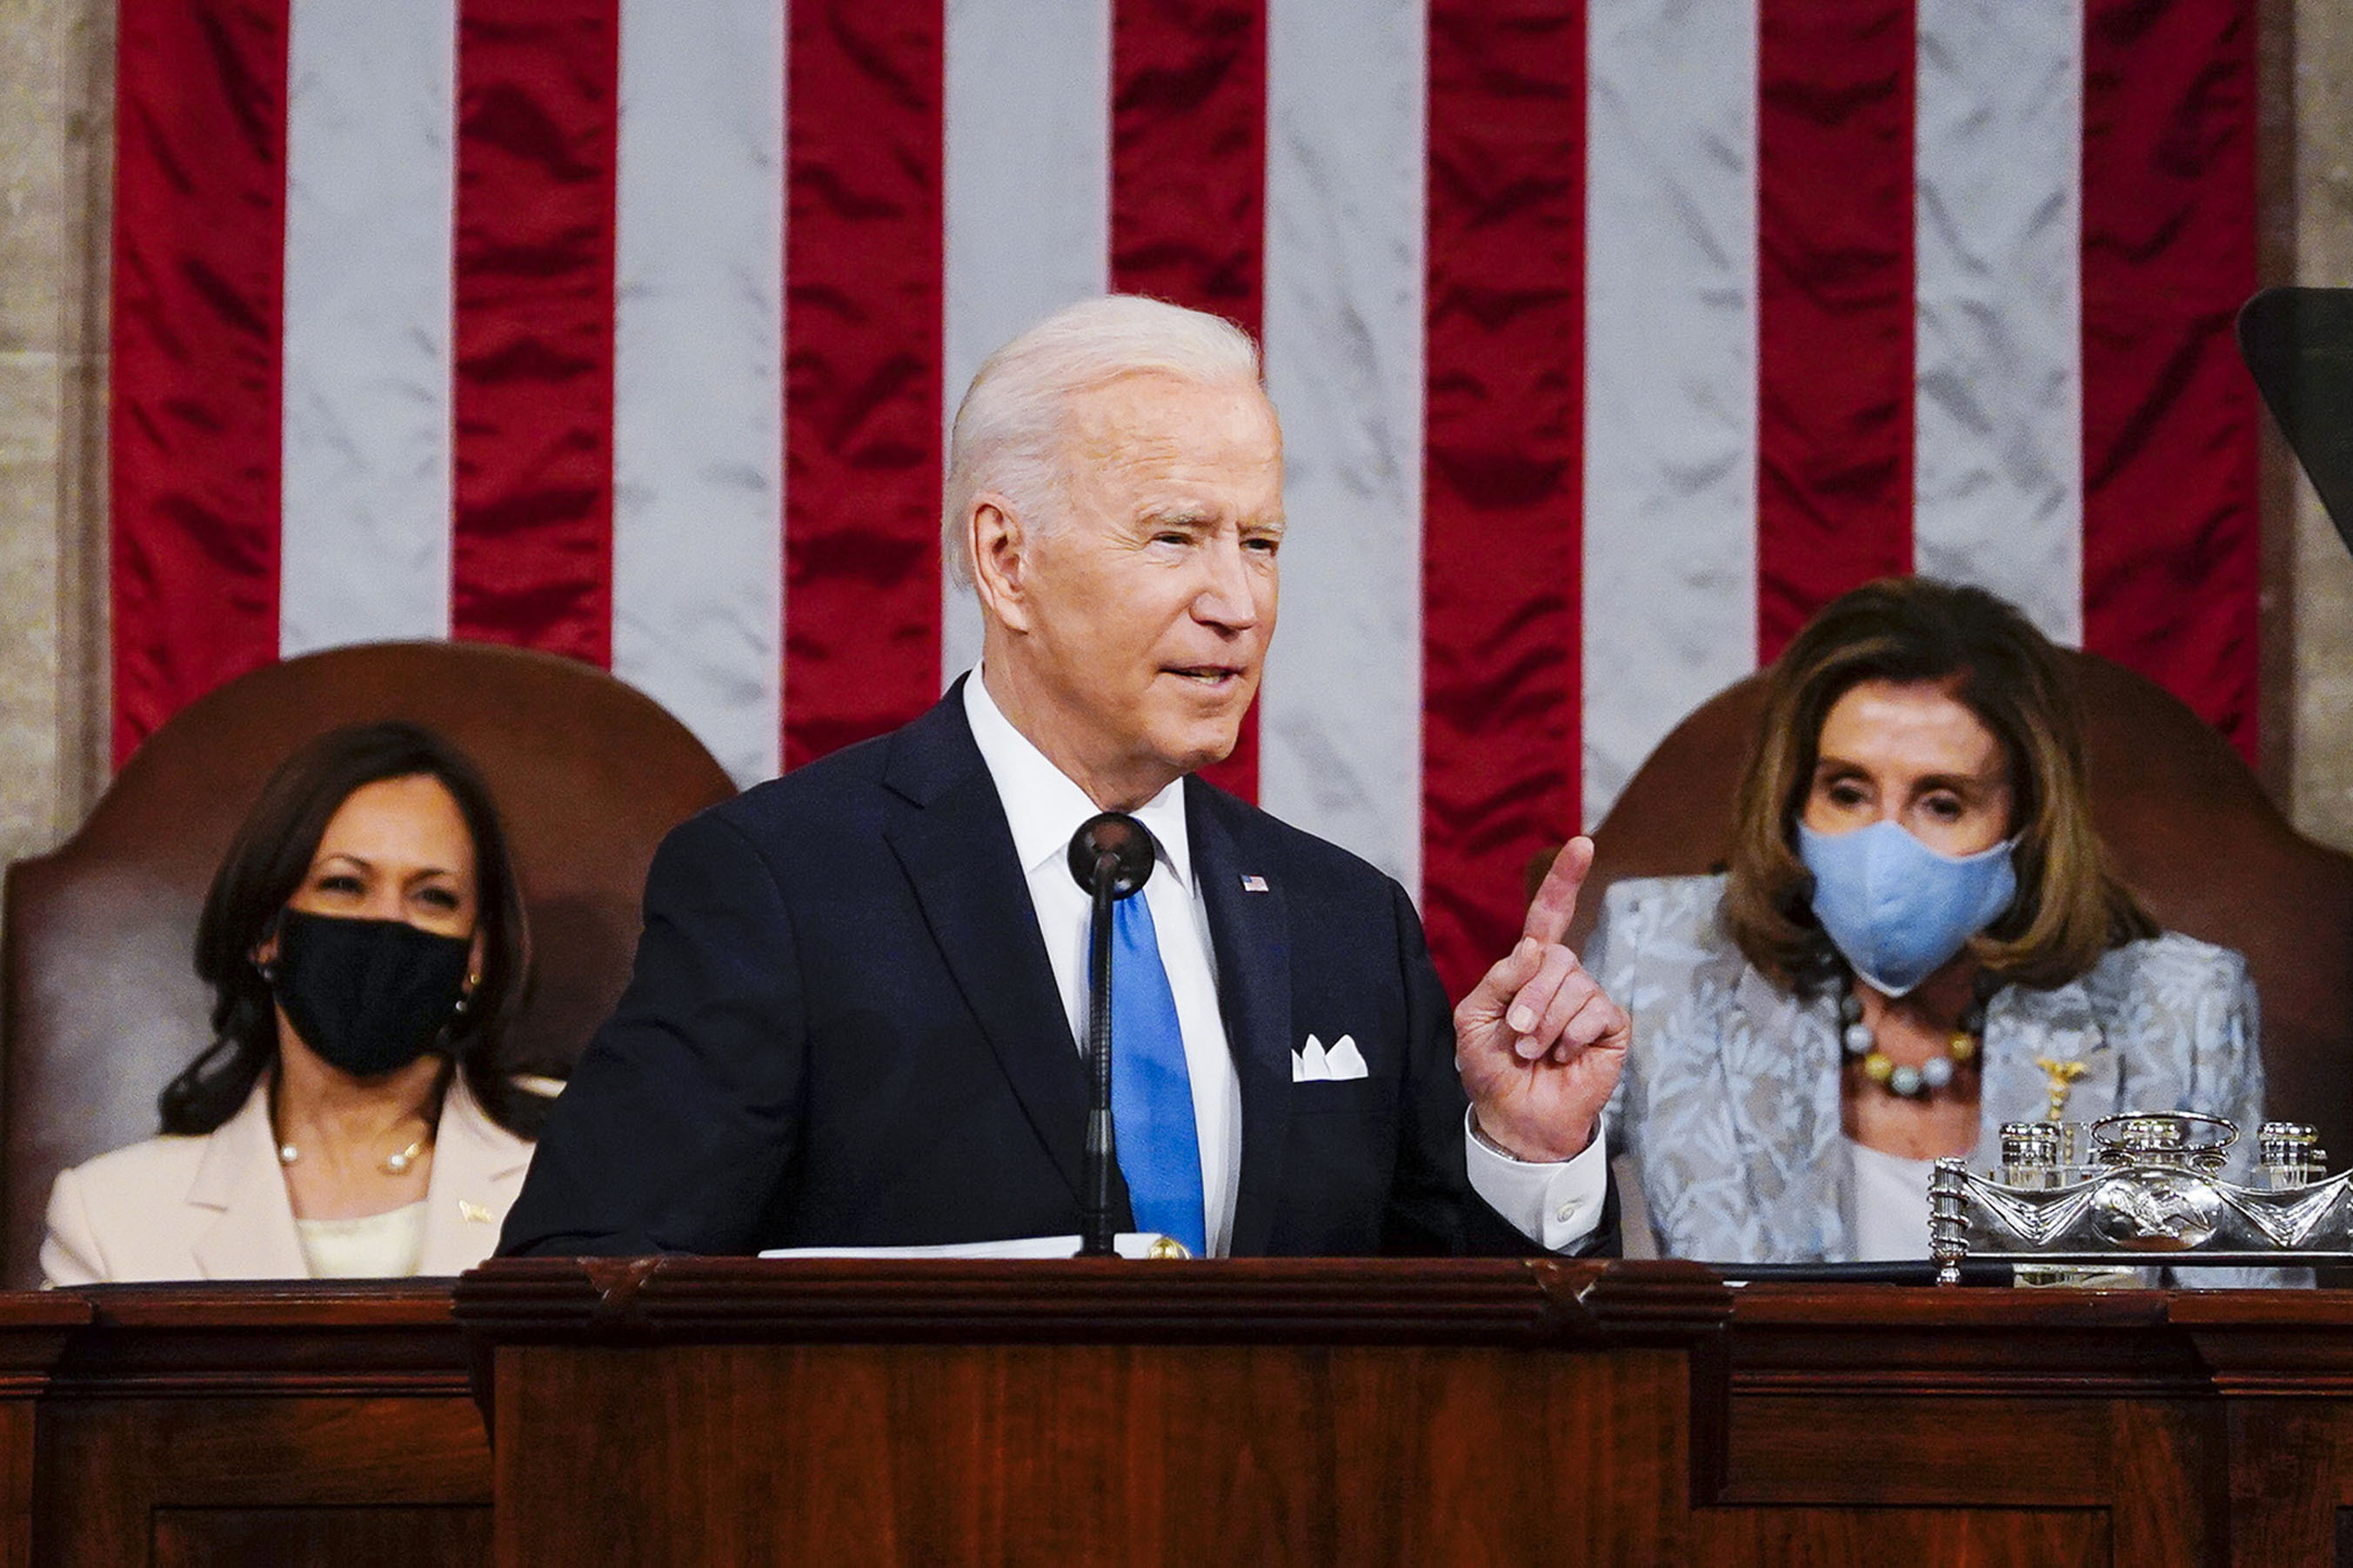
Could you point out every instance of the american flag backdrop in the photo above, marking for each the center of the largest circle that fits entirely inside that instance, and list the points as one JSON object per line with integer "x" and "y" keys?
{"x": 1610, "y": 341}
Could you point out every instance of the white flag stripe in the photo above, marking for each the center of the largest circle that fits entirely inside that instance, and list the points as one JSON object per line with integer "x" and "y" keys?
{"x": 1671, "y": 318}
{"x": 698, "y": 414}
{"x": 1340, "y": 716}
{"x": 1669, "y": 602}
{"x": 1027, "y": 199}
{"x": 1998, "y": 469}
{"x": 365, "y": 497}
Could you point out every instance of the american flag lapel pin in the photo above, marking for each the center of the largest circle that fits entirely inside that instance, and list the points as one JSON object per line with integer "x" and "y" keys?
{"x": 1253, "y": 884}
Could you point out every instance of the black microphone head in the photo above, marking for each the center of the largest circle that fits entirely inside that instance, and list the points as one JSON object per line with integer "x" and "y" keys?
{"x": 2298, "y": 344}
{"x": 1114, "y": 845}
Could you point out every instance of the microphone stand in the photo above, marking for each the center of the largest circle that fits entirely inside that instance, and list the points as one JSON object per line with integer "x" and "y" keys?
{"x": 1111, "y": 856}
{"x": 1096, "y": 1233}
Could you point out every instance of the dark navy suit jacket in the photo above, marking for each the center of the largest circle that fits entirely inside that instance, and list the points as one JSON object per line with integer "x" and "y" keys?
{"x": 843, "y": 1029}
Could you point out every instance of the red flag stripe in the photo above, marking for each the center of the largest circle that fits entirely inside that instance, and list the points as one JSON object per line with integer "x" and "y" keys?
{"x": 2169, "y": 559}
{"x": 2171, "y": 562}
{"x": 862, "y": 300}
{"x": 1834, "y": 305}
{"x": 1188, "y": 182}
{"x": 530, "y": 547}
{"x": 199, "y": 272}
{"x": 1501, "y": 478}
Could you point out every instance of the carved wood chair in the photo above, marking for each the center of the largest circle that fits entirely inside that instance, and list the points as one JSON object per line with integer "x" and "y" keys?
{"x": 103, "y": 1007}
{"x": 2189, "y": 828}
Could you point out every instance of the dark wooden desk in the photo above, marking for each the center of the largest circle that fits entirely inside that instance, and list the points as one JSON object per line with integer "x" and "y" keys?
{"x": 187, "y": 1425}
{"x": 1380, "y": 1412}
{"x": 734, "y": 1411}
{"x": 704, "y": 1411}
{"x": 1892, "y": 1425}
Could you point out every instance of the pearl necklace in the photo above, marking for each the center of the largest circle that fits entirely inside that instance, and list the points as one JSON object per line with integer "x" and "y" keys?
{"x": 393, "y": 1164}
{"x": 1906, "y": 1080}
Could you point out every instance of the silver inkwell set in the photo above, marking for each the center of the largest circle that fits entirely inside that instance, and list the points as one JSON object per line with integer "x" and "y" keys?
{"x": 2138, "y": 1189}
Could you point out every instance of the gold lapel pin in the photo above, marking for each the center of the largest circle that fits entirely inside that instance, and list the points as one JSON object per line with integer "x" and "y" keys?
{"x": 2062, "y": 1077}
{"x": 469, "y": 1210}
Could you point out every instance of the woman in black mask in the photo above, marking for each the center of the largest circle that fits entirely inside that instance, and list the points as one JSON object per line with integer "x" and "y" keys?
{"x": 364, "y": 941}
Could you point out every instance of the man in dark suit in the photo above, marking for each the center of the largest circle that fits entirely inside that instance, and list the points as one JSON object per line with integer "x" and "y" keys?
{"x": 857, "y": 1000}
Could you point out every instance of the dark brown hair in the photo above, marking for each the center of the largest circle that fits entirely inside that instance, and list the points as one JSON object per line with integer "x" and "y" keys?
{"x": 266, "y": 864}
{"x": 2070, "y": 908}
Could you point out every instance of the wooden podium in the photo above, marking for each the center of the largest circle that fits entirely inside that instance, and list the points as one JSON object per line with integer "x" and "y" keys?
{"x": 1493, "y": 1412}
{"x": 728, "y": 1412}
{"x": 699, "y": 1411}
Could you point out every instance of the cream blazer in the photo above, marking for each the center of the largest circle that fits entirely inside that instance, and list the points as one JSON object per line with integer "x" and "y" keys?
{"x": 215, "y": 1208}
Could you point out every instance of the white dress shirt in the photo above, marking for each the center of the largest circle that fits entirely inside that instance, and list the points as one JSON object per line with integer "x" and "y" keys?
{"x": 1555, "y": 1205}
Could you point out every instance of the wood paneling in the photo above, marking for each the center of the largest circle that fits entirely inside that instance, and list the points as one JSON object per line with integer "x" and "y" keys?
{"x": 1981, "y": 1537}
{"x": 114, "y": 1471}
{"x": 1391, "y": 1413}
{"x": 267, "y": 1422}
{"x": 1091, "y": 1413}
{"x": 386, "y": 1538}
{"x": 1086, "y": 1454}
{"x": 737, "y": 1411}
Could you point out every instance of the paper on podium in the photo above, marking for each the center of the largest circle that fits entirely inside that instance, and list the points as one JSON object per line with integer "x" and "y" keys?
{"x": 1127, "y": 1244}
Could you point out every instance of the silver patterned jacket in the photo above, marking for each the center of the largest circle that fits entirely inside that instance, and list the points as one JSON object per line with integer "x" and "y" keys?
{"x": 1727, "y": 1118}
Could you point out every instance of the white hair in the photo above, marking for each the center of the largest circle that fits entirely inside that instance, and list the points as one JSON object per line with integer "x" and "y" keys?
{"x": 1008, "y": 430}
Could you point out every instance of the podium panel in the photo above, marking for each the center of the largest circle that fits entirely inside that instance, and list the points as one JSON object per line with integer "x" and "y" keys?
{"x": 1084, "y": 1454}
{"x": 277, "y": 1423}
{"x": 1094, "y": 1412}
{"x": 707, "y": 1411}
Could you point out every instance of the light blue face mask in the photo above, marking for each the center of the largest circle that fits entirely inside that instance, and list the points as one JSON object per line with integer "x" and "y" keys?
{"x": 1896, "y": 909}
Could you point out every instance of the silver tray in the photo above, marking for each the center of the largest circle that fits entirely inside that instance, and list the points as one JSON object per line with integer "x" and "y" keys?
{"x": 2142, "y": 1188}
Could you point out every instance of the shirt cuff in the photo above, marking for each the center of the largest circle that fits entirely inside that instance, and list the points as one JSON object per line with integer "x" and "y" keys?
{"x": 1556, "y": 1205}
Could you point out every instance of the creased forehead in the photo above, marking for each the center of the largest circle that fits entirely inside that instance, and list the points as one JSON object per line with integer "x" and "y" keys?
{"x": 1148, "y": 415}
{"x": 1156, "y": 444}
{"x": 1920, "y": 723}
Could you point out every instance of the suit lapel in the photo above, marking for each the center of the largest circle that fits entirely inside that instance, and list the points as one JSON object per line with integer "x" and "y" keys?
{"x": 478, "y": 1168}
{"x": 957, "y": 853}
{"x": 1250, "y": 934}
{"x": 1780, "y": 1060}
{"x": 2023, "y": 1027}
{"x": 239, "y": 1181}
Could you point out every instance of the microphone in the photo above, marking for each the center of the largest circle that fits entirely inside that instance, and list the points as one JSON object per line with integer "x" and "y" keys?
{"x": 1112, "y": 859}
{"x": 1113, "y": 846}
{"x": 2298, "y": 345}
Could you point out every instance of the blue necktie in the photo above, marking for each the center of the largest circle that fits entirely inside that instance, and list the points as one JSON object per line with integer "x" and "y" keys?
{"x": 1151, "y": 1092}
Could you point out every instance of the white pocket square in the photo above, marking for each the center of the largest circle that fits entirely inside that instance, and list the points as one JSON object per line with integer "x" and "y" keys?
{"x": 1312, "y": 1063}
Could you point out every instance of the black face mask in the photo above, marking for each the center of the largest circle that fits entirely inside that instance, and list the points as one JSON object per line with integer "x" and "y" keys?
{"x": 369, "y": 996}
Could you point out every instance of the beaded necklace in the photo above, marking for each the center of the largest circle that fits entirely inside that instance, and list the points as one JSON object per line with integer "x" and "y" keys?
{"x": 1906, "y": 1080}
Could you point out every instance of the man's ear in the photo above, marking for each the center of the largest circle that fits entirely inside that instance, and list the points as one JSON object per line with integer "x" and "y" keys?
{"x": 994, "y": 539}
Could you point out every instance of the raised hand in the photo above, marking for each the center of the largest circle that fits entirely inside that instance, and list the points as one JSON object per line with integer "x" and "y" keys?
{"x": 1538, "y": 1043}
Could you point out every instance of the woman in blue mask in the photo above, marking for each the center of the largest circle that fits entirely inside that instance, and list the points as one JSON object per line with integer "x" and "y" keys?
{"x": 353, "y": 1117}
{"x": 1917, "y": 938}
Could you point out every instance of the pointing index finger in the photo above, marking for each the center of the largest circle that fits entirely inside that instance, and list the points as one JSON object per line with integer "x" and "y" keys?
{"x": 1555, "y": 904}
